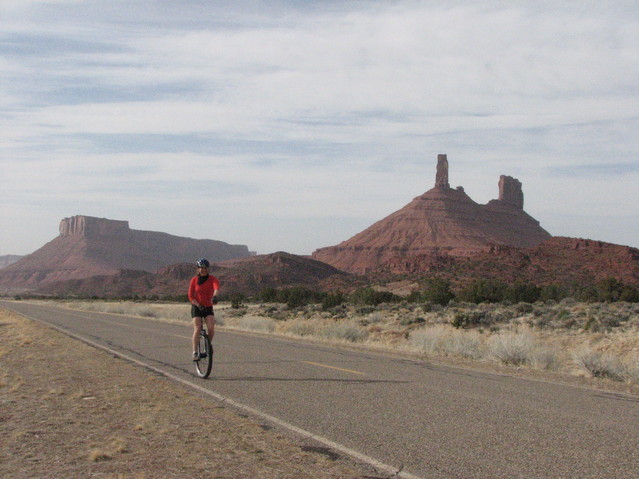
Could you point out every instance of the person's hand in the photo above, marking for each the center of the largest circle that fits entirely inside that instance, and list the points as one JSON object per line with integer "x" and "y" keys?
{"x": 214, "y": 300}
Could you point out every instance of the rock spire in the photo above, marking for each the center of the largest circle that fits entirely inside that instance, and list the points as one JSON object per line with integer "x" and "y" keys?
{"x": 441, "y": 177}
{"x": 510, "y": 191}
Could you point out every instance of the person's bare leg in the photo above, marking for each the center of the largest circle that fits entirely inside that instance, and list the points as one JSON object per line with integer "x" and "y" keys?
{"x": 210, "y": 325}
{"x": 197, "y": 327}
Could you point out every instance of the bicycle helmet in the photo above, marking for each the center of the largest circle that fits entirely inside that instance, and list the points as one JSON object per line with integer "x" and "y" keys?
{"x": 202, "y": 263}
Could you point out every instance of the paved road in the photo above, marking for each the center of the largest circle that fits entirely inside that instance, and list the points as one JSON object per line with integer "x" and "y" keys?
{"x": 435, "y": 421}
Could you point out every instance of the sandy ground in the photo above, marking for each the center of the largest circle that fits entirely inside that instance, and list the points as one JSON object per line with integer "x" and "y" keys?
{"x": 68, "y": 410}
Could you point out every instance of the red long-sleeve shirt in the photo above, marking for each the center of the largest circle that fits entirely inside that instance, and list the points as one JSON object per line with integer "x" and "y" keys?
{"x": 203, "y": 293}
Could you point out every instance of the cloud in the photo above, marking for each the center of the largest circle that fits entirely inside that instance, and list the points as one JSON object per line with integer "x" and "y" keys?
{"x": 600, "y": 169}
{"x": 341, "y": 106}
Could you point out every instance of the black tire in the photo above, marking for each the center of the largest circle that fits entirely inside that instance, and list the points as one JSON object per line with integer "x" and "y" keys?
{"x": 205, "y": 363}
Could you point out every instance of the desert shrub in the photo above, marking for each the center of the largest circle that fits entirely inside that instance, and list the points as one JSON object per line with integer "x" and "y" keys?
{"x": 414, "y": 297}
{"x": 501, "y": 315}
{"x": 463, "y": 344}
{"x": 521, "y": 349}
{"x": 236, "y": 313}
{"x": 269, "y": 310}
{"x": 297, "y": 297}
{"x": 522, "y": 293}
{"x": 408, "y": 320}
{"x": 600, "y": 365}
{"x": 553, "y": 292}
{"x": 629, "y": 294}
{"x": 429, "y": 340}
{"x": 511, "y": 348}
{"x": 603, "y": 321}
{"x": 469, "y": 319}
{"x": 609, "y": 290}
{"x": 524, "y": 308}
{"x": 611, "y": 320}
{"x": 544, "y": 357}
{"x": 632, "y": 371}
{"x": 443, "y": 340}
{"x": 587, "y": 294}
{"x": 483, "y": 291}
{"x": 369, "y": 296}
{"x": 301, "y": 328}
{"x": 345, "y": 332}
{"x": 375, "y": 317}
{"x": 427, "y": 307}
{"x": 542, "y": 322}
{"x": 257, "y": 324}
{"x": 332, "y": 300}
{"x": 365, "y": 309}
{"x": 268, "y": 295}
{"x": 435, "y": 291}
{"x": 237, "y": 300}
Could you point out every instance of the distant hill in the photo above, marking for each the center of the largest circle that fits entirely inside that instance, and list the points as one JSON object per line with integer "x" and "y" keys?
{"x": 246, "y": 275}
{"x": 559, "y": 260}
{"x": 8, "y": 259}
{"x": 441, "y": 221}
{"x": 89, "y": 246}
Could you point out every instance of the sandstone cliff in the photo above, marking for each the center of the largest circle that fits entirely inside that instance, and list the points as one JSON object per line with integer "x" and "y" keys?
{"x": 558, "y": 260}
{"x": 89, "y": 246}
{"x": 441, "y": 221}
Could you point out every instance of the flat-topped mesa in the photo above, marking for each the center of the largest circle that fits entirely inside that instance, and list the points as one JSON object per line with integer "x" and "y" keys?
{"x": 441, "y": 177}
{"x": 510, "y": 191}
{"x": 90, "y": 226}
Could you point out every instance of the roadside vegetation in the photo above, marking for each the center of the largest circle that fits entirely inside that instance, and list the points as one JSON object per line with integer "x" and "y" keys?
{"x": 590, "y": 331}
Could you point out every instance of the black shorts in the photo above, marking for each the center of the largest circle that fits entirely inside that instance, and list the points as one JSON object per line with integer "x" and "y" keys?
{"x": 202, "y": 312}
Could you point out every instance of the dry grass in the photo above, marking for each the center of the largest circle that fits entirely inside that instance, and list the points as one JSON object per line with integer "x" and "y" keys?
{"x": 605, "y": 365}
{"x": 252, "y": 323}
{"x": 78, "y": 412}
{"x": 114, "y": 447}
{"x": 441, "y": 340}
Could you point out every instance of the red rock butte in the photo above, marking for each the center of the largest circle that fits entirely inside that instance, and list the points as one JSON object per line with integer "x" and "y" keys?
{"x": 442, "y": 221}
{"x": 89, "y": 246}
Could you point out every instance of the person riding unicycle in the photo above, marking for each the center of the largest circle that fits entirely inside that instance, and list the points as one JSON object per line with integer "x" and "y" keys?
{"x": 203, "y": 295}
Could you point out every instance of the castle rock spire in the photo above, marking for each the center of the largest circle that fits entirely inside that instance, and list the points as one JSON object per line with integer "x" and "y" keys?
{"x": 441, "y": 177}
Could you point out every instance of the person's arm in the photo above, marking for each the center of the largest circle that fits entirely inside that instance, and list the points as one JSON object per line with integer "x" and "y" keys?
{"x": 216, "y": 287}
{"x": 192, "y": 293}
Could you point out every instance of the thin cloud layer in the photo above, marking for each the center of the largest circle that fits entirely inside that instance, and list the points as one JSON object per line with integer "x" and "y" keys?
{"x": 298, "y": 114}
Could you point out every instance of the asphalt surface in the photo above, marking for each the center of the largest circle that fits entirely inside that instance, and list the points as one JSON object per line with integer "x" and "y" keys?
{"x": 431, "y": 421}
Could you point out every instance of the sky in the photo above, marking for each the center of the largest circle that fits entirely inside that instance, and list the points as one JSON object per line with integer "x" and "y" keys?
{"x": 294, "y": 125}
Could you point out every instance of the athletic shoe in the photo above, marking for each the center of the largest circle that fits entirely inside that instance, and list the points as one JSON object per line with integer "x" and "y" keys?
{"x": 196, "y": 356}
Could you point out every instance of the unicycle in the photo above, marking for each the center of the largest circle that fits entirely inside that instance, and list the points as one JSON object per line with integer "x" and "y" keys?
{"x": 204, "y": 364}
